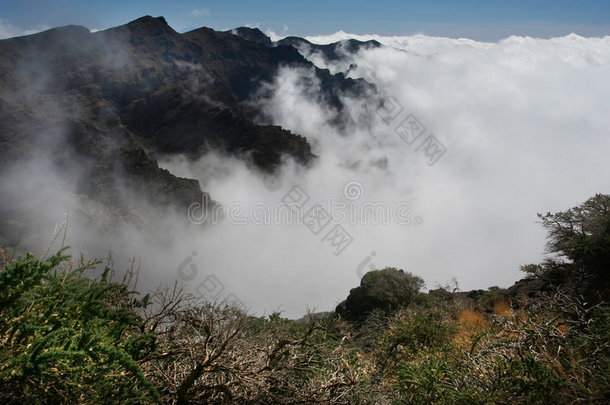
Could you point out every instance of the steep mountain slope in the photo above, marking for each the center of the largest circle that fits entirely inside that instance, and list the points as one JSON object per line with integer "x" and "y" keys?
{"x": 105, "y": 104}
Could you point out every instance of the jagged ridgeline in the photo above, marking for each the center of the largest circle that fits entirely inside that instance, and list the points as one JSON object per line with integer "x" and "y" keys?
{"x": 106, "y": 105}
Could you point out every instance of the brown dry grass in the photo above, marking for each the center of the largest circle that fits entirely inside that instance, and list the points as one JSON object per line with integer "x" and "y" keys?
{"x": 470, "y": 324}
{"x": 502, "y": 308}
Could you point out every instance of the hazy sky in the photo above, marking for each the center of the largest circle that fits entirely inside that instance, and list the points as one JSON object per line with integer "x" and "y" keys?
{"x": 487, "y": 20}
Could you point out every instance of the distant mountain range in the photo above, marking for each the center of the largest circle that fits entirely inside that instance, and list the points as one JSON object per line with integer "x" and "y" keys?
{"x": 107, "y": 104}
{"x": 331, "y": 52}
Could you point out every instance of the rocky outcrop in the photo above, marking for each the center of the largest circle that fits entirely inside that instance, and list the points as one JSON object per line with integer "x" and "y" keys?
{"x": 384, "y": 290}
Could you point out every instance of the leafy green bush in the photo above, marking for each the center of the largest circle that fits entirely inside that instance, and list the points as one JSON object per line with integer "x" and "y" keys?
{"x": 416, "y": 332}
{"x": 386, "y": 290}
{"x": 66, "y": 338}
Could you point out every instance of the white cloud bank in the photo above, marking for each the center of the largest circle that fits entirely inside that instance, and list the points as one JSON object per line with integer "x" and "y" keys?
{"x": 526, "y": 128}
{"x": 525, "y": 125}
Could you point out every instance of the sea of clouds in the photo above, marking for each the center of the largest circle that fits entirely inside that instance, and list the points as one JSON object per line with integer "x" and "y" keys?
{"x": 523, "y": 128}
{"x": 443, "y": 179}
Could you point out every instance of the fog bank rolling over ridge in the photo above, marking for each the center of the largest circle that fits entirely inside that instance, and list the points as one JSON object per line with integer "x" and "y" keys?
{"x": 444, "y": 179}
{"x": 525, "y": 128}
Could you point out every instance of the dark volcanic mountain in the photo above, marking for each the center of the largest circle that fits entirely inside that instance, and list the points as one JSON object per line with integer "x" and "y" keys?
{"x": 107, "y": 103}
{"x": 331, "y": 52}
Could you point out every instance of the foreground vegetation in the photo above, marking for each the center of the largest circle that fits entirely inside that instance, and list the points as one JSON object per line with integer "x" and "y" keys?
{"x": 72, "y": 334}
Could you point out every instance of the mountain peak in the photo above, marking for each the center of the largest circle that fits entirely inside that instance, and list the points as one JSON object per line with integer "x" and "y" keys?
{"x": 150, "y": 20}
{"x": 153, "y": 25}
{"x": 252, "y": 34}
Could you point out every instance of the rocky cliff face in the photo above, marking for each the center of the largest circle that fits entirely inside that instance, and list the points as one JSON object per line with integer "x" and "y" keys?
{"x": 106, "y": 104}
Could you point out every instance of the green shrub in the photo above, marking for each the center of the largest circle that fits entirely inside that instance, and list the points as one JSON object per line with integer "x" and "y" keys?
{"x": 66, "y": 338}
{"x": 387, "y": 290}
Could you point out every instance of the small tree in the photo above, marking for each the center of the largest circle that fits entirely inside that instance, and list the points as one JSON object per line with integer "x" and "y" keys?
{"x": 580, "y": 240}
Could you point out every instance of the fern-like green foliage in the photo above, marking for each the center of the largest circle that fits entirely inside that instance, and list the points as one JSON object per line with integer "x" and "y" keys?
{"x": 68, "y": 338}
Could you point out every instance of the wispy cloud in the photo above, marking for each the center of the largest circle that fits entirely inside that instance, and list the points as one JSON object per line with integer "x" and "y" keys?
{"x": 199, "y": 12}
{"x": 8, "y": 30}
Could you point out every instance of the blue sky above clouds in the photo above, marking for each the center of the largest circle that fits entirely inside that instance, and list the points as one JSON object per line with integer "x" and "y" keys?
{"x": 487, "y": 20}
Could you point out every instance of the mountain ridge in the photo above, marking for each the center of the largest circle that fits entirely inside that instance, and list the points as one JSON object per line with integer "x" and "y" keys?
{"x": 117, "y": 100}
